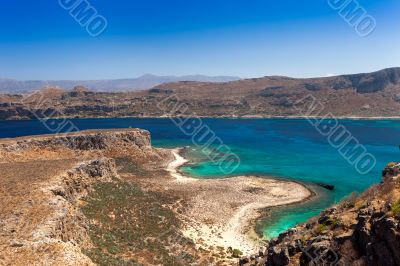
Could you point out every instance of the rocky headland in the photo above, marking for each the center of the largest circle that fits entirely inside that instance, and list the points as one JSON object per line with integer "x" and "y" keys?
{"x": 362, "y": 230}
{"x": 108, "y": 197}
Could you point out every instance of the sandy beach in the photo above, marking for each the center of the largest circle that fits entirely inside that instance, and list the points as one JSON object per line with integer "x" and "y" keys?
{"x": 220, "y": 212}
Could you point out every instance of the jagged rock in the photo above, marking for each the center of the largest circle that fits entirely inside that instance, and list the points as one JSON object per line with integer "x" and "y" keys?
{"x": 367, "y": 235}
{"x": 319, "y": 253}
{"x": 86, "y": 140}
{"x": 387, "y": 245}
{"x": 277, "y": 257}
{"x": 326, "y": 220}
{"x": 292, "y": 249}
{"x": 362, "y": 233}
{"x": 47, "y": 227}
{"x": 309, "y": 226}
{"x": 390, "y": 171}
{"x": 343, "y": 237}
{"x": 261, "y": 252}
{"x": 16, "y": 244}
{"x": 243, "y": 261}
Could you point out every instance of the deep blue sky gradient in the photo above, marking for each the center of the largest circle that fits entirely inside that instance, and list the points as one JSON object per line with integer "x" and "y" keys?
{"x": 40, "y": 40}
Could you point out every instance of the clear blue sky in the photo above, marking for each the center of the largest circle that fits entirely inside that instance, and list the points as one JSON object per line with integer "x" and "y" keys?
{"x": 40, "y": 40}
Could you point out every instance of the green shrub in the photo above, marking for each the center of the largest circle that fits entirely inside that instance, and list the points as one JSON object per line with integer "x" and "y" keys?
{"x": 321, "y": 228}
{"x": 350, "y": 201}
{"x": 236, "y": 253}
{"x": 396, "y": 208}
{"x": 333, "y": 221}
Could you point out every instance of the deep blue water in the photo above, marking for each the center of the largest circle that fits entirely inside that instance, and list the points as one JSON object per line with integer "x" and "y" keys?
{"x": 284, "y": 148}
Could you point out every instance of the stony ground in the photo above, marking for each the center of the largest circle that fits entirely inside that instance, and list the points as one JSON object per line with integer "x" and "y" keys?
{"x": 65, "y": 201}
{"x": 362, "y": 230}
{"x": 106, "y": 198}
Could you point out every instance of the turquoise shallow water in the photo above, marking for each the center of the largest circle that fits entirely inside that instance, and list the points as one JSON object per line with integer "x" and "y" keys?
{"x": 287, "y": 149}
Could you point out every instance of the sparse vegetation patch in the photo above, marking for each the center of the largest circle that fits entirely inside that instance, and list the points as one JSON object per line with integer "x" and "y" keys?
{"x": 128, "y": 223}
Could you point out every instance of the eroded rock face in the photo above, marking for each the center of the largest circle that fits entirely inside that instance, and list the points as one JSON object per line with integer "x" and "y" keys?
{"x": 375, "y": 241}
{"x": 361, "y": 231}
{"x": 86, "y": 140}
{"x": 277, "y": 256}
{"x": 384, "y": 246}
{"x": 391, "y": 171}
{"x": 62, "y": 229}
{"x": 43, "y": 181}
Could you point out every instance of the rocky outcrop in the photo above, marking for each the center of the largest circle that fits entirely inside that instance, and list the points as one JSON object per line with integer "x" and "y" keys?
{"x": 86, "y": 140}
{"x": 44, "y": 180}
{"x": 362, "y": 230}
{"x": 373, "y": 82}
{"x": 392, "y": 170}
{"x": 67, "y": 223}
{"x": 62, "y": 230}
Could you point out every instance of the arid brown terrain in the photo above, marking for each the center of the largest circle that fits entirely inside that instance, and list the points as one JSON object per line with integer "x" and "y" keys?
{"x": 64, "y": 201}
{"x": 361, "y": 95}
{"x": 108, "y": 197}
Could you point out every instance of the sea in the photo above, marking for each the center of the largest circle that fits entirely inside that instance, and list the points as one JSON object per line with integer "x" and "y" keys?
{"x": 288, "y": 149}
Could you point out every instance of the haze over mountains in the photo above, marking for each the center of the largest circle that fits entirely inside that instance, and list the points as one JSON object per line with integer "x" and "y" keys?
{"x": 374, "y": 94}
{"x": 113, "y": 85}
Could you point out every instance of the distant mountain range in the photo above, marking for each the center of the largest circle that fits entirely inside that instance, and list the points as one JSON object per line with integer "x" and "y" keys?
{"x": 366, "y": 95}
{"x": 144, "y": 82}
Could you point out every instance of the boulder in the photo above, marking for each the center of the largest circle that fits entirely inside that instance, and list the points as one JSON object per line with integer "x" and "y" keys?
{"x": 319, "y": 253}
{"x": 243, "y": 261}
{"x": 277, "y": 257}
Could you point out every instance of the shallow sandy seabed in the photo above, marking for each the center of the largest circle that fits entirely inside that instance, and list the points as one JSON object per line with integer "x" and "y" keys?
{"x": 221, "y": 211}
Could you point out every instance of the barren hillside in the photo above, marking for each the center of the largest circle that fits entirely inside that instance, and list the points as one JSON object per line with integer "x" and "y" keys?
{"x": 362, "y": 95}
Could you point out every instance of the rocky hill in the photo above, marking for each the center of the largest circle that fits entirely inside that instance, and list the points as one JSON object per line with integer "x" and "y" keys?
{"x": 363, "y": 230}
{"x": 144, "y": 82}
{"x": 44, "y": 183}
{"x": 362, "y": 95}
{"x": 107, "y": 197}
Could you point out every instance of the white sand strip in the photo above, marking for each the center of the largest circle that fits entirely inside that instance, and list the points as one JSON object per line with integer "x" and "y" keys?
{"x": 221, "y": 210}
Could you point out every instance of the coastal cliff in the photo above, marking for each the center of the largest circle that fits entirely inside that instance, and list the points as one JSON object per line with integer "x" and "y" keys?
{"x": 44, "y": 181}
{"x": 107, "y": 197}
{"x": 362, "y": 230}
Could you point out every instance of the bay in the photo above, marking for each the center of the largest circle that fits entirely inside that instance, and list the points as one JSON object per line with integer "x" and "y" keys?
{"x": 289, "y": 149}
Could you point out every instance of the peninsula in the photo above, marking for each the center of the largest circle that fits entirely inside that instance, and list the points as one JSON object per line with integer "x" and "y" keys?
{"x": 109, "y": 197}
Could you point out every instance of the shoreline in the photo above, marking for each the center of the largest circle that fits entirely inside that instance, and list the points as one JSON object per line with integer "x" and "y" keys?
{"x": 173, "y": 167}
{"x": 340, "y": 118}
{"x": 238, "y": 230}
